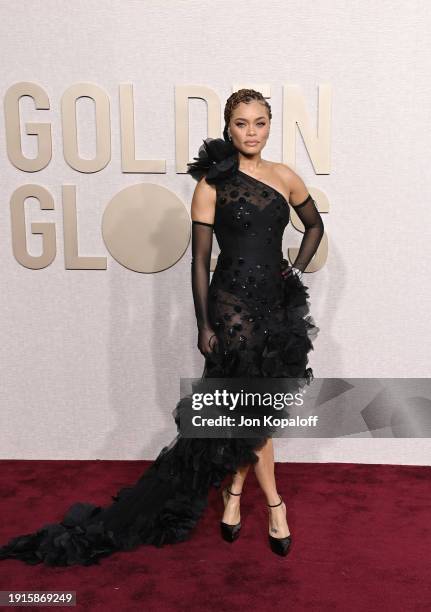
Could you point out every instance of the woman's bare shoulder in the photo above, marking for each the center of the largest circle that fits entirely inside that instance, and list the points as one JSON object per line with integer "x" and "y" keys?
{"x": 285, "y": 172}
{"x": 295, "y": 186}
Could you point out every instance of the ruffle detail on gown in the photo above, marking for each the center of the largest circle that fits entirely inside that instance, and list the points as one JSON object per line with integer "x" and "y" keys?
{"x": 77, "y": 540}
{"x": 217, "y": 160}
{"x": 287, "y": 350}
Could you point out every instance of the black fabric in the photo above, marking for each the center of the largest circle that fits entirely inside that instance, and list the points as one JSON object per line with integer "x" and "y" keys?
{"x": 262, "y": 327}
{"x": 314, "y": 228}
{"x": 217, "y": 160}
{"x": 202, "y": 240}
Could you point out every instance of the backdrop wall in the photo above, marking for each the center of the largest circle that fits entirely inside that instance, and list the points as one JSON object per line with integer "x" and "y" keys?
{"x": 91, "y": 359}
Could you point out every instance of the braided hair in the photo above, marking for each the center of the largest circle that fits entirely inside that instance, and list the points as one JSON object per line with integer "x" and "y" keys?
{"x": 242, "y": 95}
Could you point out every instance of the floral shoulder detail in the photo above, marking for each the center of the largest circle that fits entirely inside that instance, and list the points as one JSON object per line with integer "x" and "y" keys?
{"x": 217, "y": 160}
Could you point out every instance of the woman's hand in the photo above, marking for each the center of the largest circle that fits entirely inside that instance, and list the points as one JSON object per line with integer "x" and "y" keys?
{"x": 287, "y": 270}
{"x": 207, "y": 340}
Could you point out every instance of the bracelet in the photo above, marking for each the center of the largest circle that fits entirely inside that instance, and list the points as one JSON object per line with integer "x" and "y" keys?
{"x": 298, "y": 273}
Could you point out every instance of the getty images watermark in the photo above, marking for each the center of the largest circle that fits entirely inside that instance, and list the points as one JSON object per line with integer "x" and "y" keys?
{"x": 241, "y": 407}
{"x": 297, "y": 407}
{"x": 242, "y": 402}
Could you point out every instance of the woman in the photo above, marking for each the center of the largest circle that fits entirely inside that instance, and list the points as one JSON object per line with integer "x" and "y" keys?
{"x": 252, "y": 321}
{"x": 236, "y": 316}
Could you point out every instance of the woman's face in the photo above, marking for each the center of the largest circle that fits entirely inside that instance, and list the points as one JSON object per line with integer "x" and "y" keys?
{"x": 249, "y": 127}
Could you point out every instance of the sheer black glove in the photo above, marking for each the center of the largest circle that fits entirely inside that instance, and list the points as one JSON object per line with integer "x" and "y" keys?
{"x": 313, "y": 224}
{"x": 202, "y": 239}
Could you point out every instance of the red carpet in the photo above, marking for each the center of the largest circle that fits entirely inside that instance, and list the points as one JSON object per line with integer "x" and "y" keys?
{"x": 361, "y": 541}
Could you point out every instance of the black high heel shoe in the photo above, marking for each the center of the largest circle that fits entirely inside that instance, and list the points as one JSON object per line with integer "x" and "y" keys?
{"x": 229, "y": 532}
{"x": 279, "y": 546}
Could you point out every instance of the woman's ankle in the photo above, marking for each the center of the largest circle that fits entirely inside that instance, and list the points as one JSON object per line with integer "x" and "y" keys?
{"x": 274, "y": 499}
{"x": 235, "y": 489}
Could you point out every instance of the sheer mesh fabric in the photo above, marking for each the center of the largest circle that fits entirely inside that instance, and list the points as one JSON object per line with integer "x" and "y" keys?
{"x": 202, "y": 240}
{"x": 314, "y": 228}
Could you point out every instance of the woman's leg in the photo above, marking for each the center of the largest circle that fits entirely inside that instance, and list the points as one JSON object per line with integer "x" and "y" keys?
{"x": 264, "y": 470}
{"x": 232, "y": 514}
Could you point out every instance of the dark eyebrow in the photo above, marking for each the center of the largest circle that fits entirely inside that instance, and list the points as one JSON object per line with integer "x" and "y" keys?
{"x": 242, "y": 119}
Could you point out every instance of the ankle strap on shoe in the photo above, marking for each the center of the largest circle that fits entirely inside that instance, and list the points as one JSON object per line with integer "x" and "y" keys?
{"x": 230, "y": 492}
{"x": 275, "y": 505}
